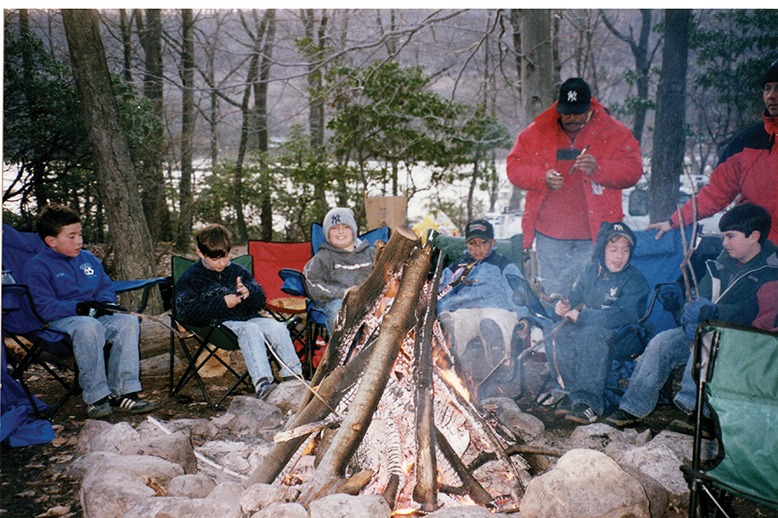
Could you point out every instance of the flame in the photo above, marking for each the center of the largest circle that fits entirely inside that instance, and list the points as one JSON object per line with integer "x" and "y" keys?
{"x": 454, "y": 382}
{"x": 408, "y": 466}
{"x": 309, "y": 448}
{"x": 409, "y": 511}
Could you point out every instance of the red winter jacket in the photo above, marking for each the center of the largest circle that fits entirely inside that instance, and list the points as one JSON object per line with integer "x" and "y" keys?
{"x": 618, "y": 158}
{"x": 748, "y": 167}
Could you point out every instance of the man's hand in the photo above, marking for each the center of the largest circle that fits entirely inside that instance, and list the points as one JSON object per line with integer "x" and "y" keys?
{"x": 554, "y": 180}
{"x": 661, "y": 227}
{"x": 697, "y": 311}
{"x": 562, "y": 307}
{"x": 586, "y": 163}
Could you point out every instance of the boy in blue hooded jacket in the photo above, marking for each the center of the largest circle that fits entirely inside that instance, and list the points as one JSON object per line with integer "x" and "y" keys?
{"x": 608, "y": 295}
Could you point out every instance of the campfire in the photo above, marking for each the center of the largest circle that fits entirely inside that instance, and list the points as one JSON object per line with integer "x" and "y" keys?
{"x": 388, "y": 413}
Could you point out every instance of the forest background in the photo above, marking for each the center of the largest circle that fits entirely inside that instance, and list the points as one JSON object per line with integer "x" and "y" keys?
{"x": 151, "y": 122}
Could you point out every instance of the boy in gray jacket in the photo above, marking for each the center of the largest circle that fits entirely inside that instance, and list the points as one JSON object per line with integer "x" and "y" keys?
{"x": 343, "y": 261}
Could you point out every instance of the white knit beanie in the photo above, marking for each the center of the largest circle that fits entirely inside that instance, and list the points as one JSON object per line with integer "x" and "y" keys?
{"x": 339, "y": 216}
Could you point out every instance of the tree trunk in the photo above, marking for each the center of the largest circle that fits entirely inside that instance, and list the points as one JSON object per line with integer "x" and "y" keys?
{"x": 260, "y": 99}
{"x": 117, "y": 182}
{"x": 669, "y": 140}
{"x": 186, "y": 196}
{"x": 152, "y": 177}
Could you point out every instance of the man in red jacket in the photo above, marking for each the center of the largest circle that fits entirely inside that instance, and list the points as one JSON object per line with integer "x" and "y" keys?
{"x": 573, "y": 161}
{"x": 748, "y": 167}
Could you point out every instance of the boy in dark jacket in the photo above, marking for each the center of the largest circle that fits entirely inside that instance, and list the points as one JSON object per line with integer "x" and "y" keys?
{"x": 609, "y": 294}
{"x": 728, "y": 293}
{"x": 216, "y": 291}
{"x": 73, "y": 293}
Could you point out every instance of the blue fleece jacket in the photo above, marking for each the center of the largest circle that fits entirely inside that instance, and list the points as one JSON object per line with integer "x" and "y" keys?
{"x": 494, "y": 282}
{"x": 57, "y": 282}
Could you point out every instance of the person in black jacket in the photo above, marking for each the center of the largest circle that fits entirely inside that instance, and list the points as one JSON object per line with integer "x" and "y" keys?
{"x": 609, "y": 294}
{"x": 216, "y": 291}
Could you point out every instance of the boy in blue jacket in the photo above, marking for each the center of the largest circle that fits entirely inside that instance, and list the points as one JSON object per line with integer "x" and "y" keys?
{"x": 480, "y": 305}
{"x": 216, "y": 291}
{"x": 73, "y": 293}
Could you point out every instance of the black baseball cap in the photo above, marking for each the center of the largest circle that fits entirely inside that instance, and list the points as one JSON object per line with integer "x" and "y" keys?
{"x": 575, "y": 96}
{"x": 479, "y": 228}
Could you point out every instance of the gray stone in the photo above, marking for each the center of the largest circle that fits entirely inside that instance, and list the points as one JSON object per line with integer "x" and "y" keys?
{"x": 347, "y": 506}
{"x": 662, "y": 464}
{"x": 159, "y": 365}
{"x": 103, "y": 436}
{"x": 288, "y": 395}
{"x": 282, "y": 511}
{"x": 465, "y": 511}
{"x": 105, "y": 493}
{"x": 260, "y": 496}
{"x": 191, "y": 486}
{"x": 175, "y": 448}
{"x": 143, "y": 468}
{"x": 524, "y": 425}
{"x": 585, "y": 483}
{"x": 177, "y": 507}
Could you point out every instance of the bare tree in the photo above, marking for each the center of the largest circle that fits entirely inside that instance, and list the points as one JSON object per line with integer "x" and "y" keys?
{"x": 186, "y": 200}
{"x": 669, "y": 140}
{"x": 644, "y": 56}
{"x": 117, "y": 182}
{"x": 151, "y": 171}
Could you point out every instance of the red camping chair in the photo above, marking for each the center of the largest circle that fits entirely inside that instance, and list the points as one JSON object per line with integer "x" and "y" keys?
{"x": 269, "y": 258}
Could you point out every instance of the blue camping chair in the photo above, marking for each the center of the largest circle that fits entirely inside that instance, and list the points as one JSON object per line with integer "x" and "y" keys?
{"x": 40, "y": 343}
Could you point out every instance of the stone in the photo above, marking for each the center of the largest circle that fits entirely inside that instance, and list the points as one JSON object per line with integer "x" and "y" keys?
{"x": 191, "y": 486}
{"x": 524, "y": 425}
{"x": 105, "y": 493}
{"x": 103, "y": 436}
{"x": 282, "y": 511}
{"x": 585, "y": 483}
{"x": 175, "y": 448}
{"x": 261, "y": 496}
{"x": 348, "y": 506}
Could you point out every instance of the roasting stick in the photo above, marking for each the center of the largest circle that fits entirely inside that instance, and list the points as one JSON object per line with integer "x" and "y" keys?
{"x": 583, "y": 152}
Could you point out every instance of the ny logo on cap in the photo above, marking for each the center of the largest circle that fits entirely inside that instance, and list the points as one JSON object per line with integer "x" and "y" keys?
{"x": 335, "y": 219}
{"x": 618, "y": 226}
{"x": 572, "y": 96}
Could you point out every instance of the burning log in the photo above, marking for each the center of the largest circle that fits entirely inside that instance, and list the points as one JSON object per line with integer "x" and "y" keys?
{"x": 407, "y": 429}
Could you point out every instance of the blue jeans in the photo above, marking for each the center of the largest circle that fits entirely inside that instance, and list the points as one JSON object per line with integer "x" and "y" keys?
{"x": 89, "y": 336}
{"x": 252, "y": 335}
{"x": 583, "y": 355}
{"x": 666, "y": 351}
{"x": 560, "y": 260}
{"x": 331, "y": 310}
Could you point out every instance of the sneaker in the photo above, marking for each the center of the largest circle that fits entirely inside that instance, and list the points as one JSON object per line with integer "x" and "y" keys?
{"x": 686, "y": 427}
{"x": 562, "y": 407}
{"x": 264, "y": 389}
{"x": 621, "y": 418}
{"x": 131, "y": 403}
{"x": 581, "y": 414}
{"x": 99, "y": 409}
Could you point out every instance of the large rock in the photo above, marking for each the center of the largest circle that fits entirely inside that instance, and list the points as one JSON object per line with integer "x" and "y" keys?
{"x": 585, "y": 483}
{"x": 105, "y": 493}
{"x": 347, "y": 506}
{"x": 524, "y": 425}
{"x": 191, "y": 486}
{"x": 261, "y": 496}
{"x": 282, "y": 511}
{"x": 175, "y": 448}
{"x": 106, "y": 437}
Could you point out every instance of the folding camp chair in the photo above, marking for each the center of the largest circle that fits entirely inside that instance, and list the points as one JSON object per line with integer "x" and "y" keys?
{"x": 269, "y": 258}
{"x": 737, "y": 373}
{"x": 208, "y": 340}
{"x": 40, "y": 343}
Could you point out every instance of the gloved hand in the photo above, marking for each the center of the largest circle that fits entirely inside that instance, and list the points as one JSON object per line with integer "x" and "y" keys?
{"x": 695, "y": 312}
{"x": 96, "y": 308}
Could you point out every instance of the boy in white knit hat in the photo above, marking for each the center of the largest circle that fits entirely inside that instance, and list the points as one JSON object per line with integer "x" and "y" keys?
{"x": 343, "y": 261}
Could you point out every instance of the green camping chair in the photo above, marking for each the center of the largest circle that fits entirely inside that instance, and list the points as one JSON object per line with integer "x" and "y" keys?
{"x": 738, "y": 380}
{"x": 208, "y": 340}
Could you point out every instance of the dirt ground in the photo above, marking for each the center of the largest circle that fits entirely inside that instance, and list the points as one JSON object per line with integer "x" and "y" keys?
{"x": 33, "y": 482}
